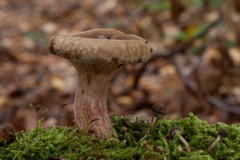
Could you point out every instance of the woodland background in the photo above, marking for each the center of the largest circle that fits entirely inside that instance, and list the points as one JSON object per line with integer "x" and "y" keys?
{"x": 195, "y": 66}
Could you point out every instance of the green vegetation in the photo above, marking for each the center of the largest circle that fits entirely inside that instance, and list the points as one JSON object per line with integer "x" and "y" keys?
{"x": 135, "y": 139}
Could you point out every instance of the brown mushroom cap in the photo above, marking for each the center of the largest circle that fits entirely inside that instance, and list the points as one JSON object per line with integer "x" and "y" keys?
{"x": 174, "y": 130}
{"x": 102, "y": 46}
{"x": 159, "y": 108}
{"x": 222, "y": 133}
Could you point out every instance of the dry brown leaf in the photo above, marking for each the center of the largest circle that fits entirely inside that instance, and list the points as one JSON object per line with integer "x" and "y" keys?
{"x": 27, "y": 57}
{"x": 57, "y": 82}
{"x": 235, "y": 56}
{"x": 125, "y": 101}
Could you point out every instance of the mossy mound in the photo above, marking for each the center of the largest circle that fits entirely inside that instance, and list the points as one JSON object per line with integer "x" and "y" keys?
{"x": 137, "y": 139}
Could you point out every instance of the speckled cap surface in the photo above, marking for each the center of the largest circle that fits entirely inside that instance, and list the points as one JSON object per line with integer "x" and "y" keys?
{"x": 102, "y": 46}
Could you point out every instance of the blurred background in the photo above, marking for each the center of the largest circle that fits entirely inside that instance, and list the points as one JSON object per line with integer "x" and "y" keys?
{"x": 195, "y": 66}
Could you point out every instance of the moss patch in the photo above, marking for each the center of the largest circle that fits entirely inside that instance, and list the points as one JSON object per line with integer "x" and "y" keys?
{"x": 137, "y": 139}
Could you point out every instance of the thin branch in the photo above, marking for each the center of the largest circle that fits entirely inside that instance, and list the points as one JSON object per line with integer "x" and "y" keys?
{"x": 182, "y": 46}
{"x": 202, "y": 50}
{"x": 221, "y": 105}
{"x": 194, "y": 89}
{"x": 178, "y": 48}
{"x": 136, "y": 13}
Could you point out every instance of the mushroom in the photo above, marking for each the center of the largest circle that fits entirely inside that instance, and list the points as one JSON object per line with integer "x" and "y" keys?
{"x": 7, "y": 135}
{"x": 176, "y": 130}
{"x": 97, "y": 54}
{"x": 221, "y": 134}
{"x": 158, "y": 109}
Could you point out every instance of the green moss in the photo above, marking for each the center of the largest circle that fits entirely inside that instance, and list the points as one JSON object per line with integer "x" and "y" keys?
{"x": 135, "y": 137}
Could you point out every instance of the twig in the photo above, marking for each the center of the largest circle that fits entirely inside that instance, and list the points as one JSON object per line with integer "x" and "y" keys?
{"x": 194, "y": 89}
{"x": 191, "y": 86}
{"x": 136, "y": 13}
{"x": 178, "y": 48}
{"x": 202, "y": 50}
{"x": 182, "y": 46}
{"x": 221, "y": 105}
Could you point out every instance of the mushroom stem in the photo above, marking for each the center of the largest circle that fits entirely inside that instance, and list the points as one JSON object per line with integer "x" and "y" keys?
{"x": 185, "y": 143}
{"x": 221, "y": 134}
{"x": 174, "y": 131}
{"x": 91, "y": 112}
{"x": 213, "y": 144}
{"x": 158, "y": 110}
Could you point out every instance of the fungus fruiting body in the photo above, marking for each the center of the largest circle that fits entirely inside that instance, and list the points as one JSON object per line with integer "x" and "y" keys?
{"x": 7, "y": 135}
{"x": 98, "y": 54}
{"x": 176, "y": 130}
{"x": 221, "y": 134}
{"x": 158, "y": 110}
